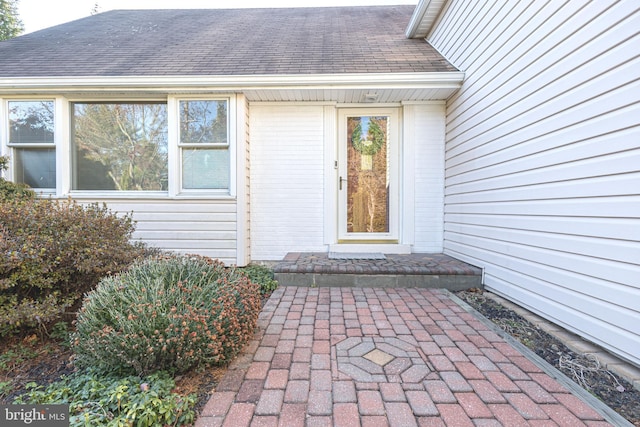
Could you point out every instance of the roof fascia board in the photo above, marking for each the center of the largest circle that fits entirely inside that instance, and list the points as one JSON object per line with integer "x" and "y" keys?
{"x": 425, "y": 9}
{"x": 234, "y": 83}
{"x": 416, "y": 18}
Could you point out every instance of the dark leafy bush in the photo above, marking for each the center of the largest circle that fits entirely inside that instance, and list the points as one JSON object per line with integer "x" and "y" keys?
{"x": 172, "y": 313}
{"x": 52, "y": 253}
{"x": 263, "y": 276}
{"x": 99, "y": 400}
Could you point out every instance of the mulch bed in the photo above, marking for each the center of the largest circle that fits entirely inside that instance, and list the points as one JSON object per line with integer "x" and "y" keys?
{"x": 47, "y": 362}
{"x": 584, "y": 370}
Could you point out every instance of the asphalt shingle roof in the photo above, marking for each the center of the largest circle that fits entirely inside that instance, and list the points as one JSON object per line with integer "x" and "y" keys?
{"x": 224, "y": 42}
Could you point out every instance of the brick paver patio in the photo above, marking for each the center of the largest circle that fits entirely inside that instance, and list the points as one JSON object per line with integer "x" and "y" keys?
{"x": 384, "y": 357}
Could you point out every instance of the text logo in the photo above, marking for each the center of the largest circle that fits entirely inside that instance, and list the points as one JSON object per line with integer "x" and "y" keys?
{"x": 34, "y": 415}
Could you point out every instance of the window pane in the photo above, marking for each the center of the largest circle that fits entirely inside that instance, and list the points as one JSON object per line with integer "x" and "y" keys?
{"x": 35, "y": 167}
{"x": 205, "y": 168}
{"x": 120, "y": 147}
{"x": 203, "y": 122}
{"x": 368, "y": 174}
{"x": 31, "y": 122}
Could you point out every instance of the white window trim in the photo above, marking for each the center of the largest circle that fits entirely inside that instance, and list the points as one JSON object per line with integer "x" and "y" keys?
{"x": 67, "y": 164}
{"x": 7, "y": 148}
{"x": 63, "y": 145}
{"x": 175, "y": 147}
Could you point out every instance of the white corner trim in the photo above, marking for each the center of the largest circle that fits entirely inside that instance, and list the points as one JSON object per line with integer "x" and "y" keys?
{"x": 241, "y": 170}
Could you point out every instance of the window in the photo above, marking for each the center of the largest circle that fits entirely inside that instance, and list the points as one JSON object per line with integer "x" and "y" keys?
{"x": 31, "y": 136}
{"x": 157, "y": 146}
{"x": 119, "y": 146}
{"x": 204, "y": 144}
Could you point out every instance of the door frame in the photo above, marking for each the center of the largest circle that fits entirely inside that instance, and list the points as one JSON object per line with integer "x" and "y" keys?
{"x": 393, "y": 141}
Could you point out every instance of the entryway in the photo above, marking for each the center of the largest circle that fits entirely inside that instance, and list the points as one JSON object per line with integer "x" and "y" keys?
{"x": 368, "y": 176}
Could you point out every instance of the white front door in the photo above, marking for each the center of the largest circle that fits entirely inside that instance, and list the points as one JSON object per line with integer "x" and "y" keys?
{"x": 368, "y": 199}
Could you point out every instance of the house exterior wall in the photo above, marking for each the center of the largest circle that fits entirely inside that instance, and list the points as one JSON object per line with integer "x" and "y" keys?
{"x": 199, "y": 226}
{"x": 209, "y": 223}
{"x": 294, "y": 183}
{"x": 287, "y": 179}
{"x": 283, "y": 194}
{"x": 424, "y": 170}
{"x": 543, "y": 159}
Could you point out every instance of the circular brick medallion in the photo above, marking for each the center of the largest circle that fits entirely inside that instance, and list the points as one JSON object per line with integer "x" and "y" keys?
{"x": 380, "y": 359}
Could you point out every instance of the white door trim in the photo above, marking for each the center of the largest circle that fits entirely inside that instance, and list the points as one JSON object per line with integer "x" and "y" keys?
{"x": 391, "y": 237}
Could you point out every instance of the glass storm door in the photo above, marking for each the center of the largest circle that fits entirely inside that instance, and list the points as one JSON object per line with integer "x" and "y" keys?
{"x": 367, "y": 181}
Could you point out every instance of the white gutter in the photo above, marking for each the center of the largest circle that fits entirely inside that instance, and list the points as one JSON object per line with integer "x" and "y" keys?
{"x": 234, "y": 83}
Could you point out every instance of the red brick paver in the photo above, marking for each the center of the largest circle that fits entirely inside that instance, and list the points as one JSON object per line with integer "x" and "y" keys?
{"x": 384, "y": 357}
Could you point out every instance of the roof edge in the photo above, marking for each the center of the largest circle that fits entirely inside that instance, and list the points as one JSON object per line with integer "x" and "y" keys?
{"x": 423, "y": 18}
{"x": 163, "y": 83}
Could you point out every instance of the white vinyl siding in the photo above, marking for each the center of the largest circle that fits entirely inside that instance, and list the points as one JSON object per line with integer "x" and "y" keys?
{"x": 542, "y": 184}
{"x": 424, "y": 130}
{"x": 200, "y": 227}
{"x": 287, "y": 180}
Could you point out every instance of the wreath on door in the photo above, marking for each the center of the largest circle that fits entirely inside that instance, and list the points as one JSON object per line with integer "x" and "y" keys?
{"x": 370, "y": 145}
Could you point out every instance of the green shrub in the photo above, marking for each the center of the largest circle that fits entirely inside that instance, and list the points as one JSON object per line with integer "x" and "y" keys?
{"x": 263, "y": 276}
{"x": 97, "y": 400}
{"x": 52, "y": 254}
{"x": 173, "y": 313}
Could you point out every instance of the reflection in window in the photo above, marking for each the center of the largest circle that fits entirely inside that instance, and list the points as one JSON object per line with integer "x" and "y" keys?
{"x": 368, "y": 174}
{"x": 31, "y": 136}
{"x": 120, "y": 147}
{"x": 203, "y": 122}
{"x": 205, "y": 168}
{"x": 31, "y": 122}
{"x": 36, "y": 167}
{"x": 204, "y": 145}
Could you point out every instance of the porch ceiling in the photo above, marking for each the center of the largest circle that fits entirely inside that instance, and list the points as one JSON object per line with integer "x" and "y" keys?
{"x": 349, "y": 96}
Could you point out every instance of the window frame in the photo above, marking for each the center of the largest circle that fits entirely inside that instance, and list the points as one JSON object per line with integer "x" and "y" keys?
{"x": 9, "y": 148}
{"x": 70, "y": 148}
{"x": 63, "y": 135}
{"x": 177, "y": 146}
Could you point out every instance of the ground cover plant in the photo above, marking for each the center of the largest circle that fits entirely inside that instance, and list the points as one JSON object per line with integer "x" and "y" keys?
{"x": 98, "y": 399}
{"x": 263, "y": 276}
